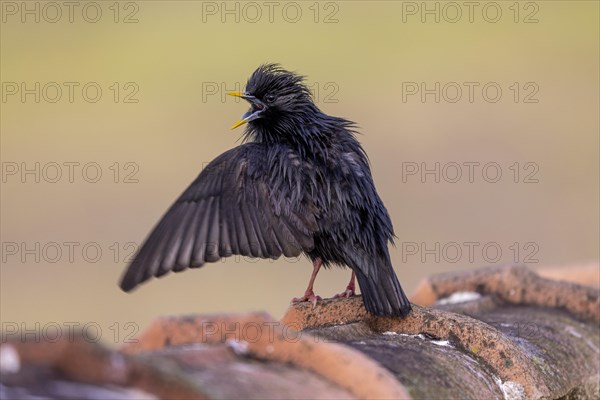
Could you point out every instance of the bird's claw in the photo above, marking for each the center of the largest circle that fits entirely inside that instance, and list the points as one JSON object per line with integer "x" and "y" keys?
{"x": 347, "y": 293}
{"x": 308, "y": 296}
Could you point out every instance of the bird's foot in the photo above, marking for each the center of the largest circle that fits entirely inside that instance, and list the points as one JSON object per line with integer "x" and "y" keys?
{"x": 309, "y": 296}
{"x": 349, "y": 292}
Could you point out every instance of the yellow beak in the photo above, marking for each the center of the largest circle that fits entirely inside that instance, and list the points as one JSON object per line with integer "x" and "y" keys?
{"x": 242, "y": 121}
{"x": 239, "y": 123}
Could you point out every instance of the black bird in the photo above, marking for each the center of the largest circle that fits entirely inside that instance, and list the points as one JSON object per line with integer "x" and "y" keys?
{"x": 300, "y": 183}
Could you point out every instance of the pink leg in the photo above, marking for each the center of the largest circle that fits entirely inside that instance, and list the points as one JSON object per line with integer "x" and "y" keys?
{"x": 350, "y": 289}
{"x": 309, "y": 295}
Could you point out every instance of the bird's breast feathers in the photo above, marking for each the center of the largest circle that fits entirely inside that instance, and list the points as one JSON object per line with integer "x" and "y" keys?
{"x": 341, "y": 179}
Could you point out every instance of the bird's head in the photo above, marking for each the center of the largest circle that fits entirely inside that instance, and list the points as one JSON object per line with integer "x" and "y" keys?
{"x": 277, "y": 98}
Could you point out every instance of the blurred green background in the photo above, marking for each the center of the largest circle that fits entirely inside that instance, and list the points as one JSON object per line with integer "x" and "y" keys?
{"x": 163, "y": 67}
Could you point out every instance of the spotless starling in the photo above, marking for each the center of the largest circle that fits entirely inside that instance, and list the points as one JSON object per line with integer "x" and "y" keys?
{"x": 300, "y": 184}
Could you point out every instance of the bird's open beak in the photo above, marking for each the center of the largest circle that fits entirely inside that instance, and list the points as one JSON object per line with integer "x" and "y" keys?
{"x": 257, "y": 108}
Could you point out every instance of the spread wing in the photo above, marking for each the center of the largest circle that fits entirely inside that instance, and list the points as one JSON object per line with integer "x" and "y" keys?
{"x": 229, "y": 209}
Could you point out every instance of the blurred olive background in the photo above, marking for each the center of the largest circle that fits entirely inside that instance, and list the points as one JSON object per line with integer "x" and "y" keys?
{"x": 167, "y": 117}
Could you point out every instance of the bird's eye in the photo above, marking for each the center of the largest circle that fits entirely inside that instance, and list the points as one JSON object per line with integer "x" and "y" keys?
{"x": 270, "y": 98}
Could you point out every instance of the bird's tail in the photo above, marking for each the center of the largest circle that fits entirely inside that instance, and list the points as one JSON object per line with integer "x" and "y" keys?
{"x": 381, "y": 291}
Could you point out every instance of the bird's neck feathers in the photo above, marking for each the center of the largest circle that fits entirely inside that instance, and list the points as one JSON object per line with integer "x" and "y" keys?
{"x": 310, "y": 133}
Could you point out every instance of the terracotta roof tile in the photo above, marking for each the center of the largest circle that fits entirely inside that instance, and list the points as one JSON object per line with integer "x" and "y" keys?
{"x": 504, "y": 333}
